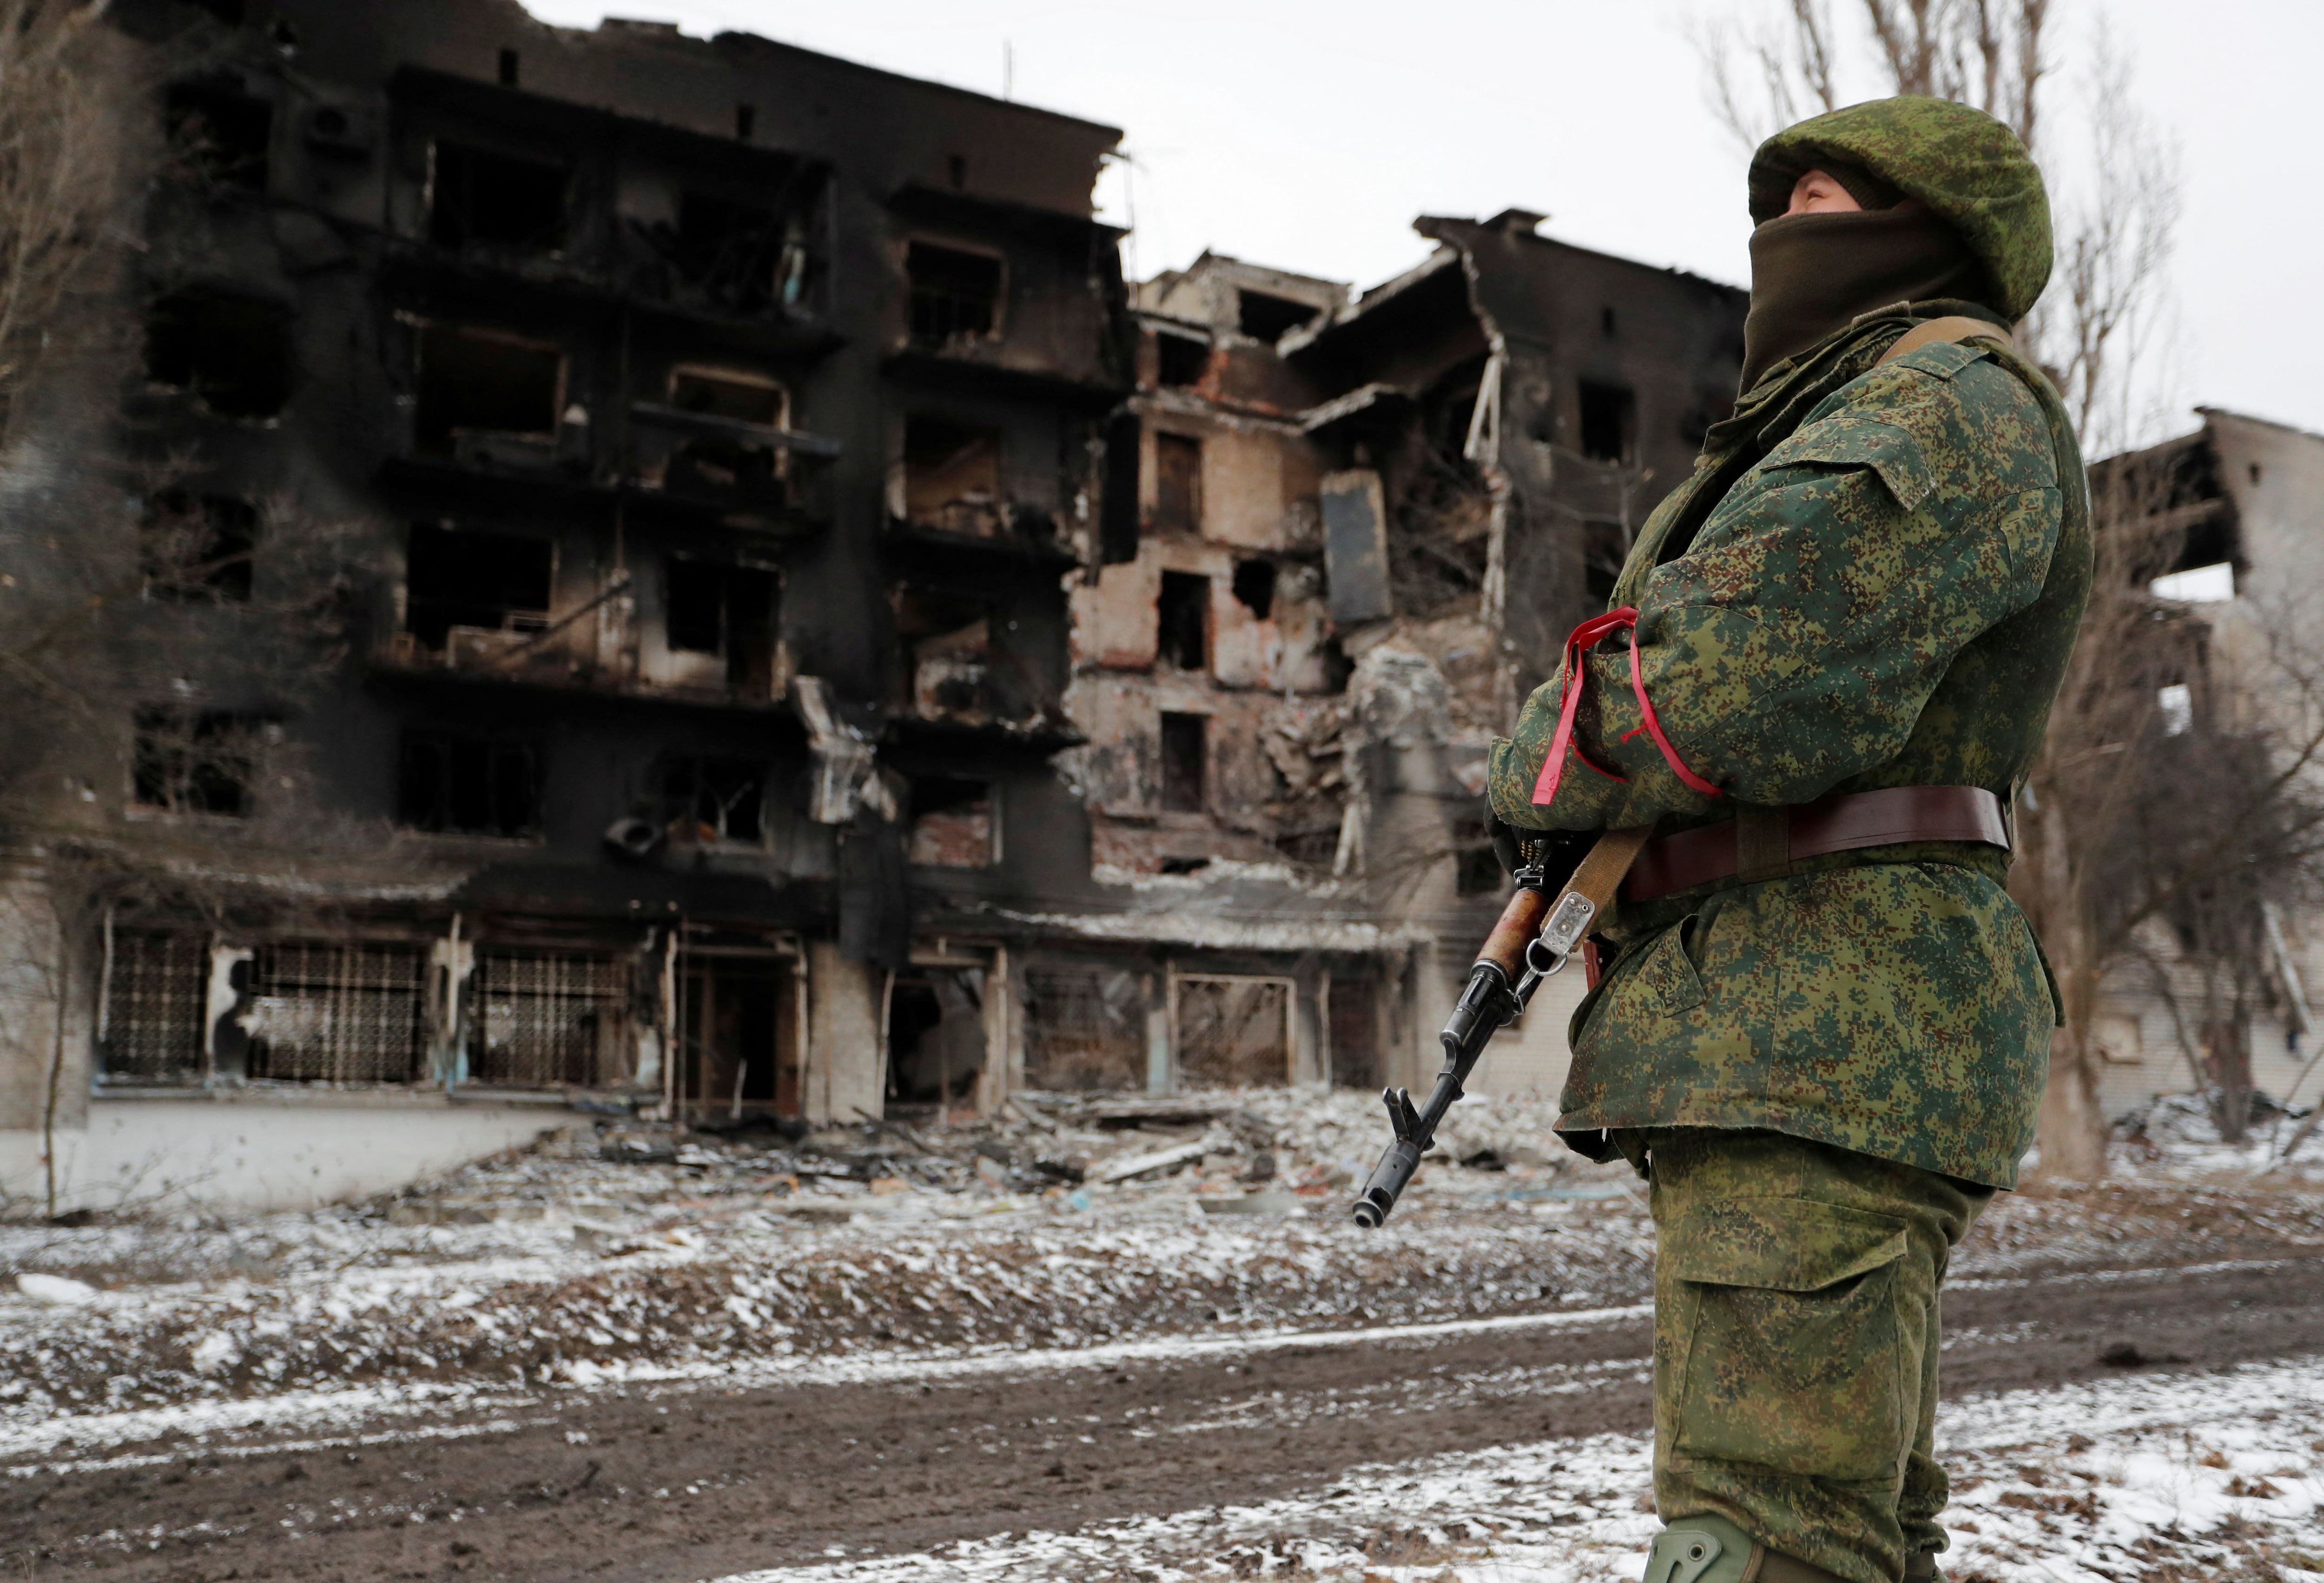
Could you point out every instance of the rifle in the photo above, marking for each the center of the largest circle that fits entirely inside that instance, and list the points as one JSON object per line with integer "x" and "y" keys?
{"x": 1531, "y": 941}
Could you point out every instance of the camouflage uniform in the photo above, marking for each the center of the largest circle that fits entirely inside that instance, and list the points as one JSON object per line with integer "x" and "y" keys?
{"x": 1873, "y": 579}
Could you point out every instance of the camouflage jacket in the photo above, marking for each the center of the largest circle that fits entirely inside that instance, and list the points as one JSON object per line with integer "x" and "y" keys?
{"x": 1873, "y": 578}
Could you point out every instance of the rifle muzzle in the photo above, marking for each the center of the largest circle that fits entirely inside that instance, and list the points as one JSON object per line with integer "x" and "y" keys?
{"x": 1387, "y": 1183}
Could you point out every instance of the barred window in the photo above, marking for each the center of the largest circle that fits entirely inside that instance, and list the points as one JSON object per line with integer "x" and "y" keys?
{"x": 338, "y": 1013}
{"x": 155, "y": 997}
{"x": 549, "y": 1019}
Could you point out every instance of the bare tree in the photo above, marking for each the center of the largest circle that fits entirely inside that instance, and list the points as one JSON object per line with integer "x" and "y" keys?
{"x": 2087, "y": 876}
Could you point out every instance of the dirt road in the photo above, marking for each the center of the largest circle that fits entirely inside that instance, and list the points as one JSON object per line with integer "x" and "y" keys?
{"x": 706, "y": 1481}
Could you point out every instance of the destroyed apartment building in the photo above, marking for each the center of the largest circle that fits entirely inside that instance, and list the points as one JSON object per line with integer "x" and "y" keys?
{"x": 793, "y": 633}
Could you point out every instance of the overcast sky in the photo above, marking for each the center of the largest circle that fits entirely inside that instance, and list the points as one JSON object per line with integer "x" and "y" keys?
{"x": 1307, "y": 134}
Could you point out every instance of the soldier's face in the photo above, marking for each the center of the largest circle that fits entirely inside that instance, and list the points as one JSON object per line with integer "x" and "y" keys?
{"x": 1816, "y": 193}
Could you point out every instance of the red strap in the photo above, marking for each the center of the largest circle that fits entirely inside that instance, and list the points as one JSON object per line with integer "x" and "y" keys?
{"x": 1544, "y": 790}
{"x": 1653, "y": 727}
{"x": 1553, "y": 769}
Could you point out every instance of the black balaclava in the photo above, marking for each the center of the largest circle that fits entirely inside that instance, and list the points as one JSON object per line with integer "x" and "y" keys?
{"x": 1810, "y": 274}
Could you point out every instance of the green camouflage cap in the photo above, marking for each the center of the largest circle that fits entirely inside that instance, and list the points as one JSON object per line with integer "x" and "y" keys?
{"x": 1970, "y": 169}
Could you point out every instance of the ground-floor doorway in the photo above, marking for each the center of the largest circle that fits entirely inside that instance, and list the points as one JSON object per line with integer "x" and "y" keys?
{"x": 738, "y": 1043}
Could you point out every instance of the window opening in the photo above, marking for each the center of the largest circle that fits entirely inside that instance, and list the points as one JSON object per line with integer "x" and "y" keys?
{"x": 724, "y": 610}
{"x": 499, "y": 582}
{"x": 219, "y": 132}
{"x": 1254, "y": 585}
{"x": 197, "y": 761}
{"x": 746, "y": 117}
{"x": 1186, "y": 750}
{"x": 1355, "y": 1034}
{"x": 483, "y": 197}
{"x": 1268, "y": 317}
{"x": 453, "y": 783}
{"x": 743, "y": 398}
{"x": 1084, "y": 1029}
{"x": 508, "y": 68}
{"x": 1177, "y": 484}
{"x": 1180, "y": 360}
{"x": 1609, "y": 415}
{"x": 231, "y": 354}
{"x": 1183, "y": 621}
{"x": 952, "y": 476}
{"x": 479, "y": 381}
{"x": 1234, "y": 1033}
{"x": 952, "y": 823}
{"x": 956, "y": 171}
{"x": 734, "y": 252}
{"x": 197, "y": 547}
{"x": 336, "y": 1013}
{"x": 1477, "y": 868}
{"x": 936, "y": 1038}
{"x": 954, "y": 294}
{"x": 730, "y": 464}
{"x": 948, "y": 646}
{"x": 738, "y": 1047}
{"x": 156, "y": 1006}
{"x": 545, "y": 1019}
{"x": 1605, "y": 319}
{"x": 1605, "y": 547}
{"x": 714, "y": 799}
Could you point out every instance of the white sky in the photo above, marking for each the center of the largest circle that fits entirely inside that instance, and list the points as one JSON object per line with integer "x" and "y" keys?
{"x": 1307, "y": 134}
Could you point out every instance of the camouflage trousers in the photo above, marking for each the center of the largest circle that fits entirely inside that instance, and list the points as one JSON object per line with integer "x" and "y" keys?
{"x": 1795, "y": 1343}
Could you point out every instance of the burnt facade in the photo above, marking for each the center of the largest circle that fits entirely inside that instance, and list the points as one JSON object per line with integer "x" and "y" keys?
{"x": 813, "y": 642}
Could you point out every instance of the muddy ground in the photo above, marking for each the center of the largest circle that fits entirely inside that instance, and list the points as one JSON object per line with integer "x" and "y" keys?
{"x": 692, "y": 1482}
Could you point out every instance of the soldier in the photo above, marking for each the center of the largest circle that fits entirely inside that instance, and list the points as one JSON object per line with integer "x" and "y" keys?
{"x": 1823, "y": 1031}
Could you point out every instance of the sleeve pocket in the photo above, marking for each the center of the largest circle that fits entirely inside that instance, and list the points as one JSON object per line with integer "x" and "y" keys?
{"x": 1793, "y": 1357}
{"x": 1885, "y": 448}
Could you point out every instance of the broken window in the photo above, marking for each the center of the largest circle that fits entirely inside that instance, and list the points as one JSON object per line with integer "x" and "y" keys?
{"x": 739, "y": 1044}
{"x": 1185, "y": 754}
{"x": 484, "y": 197}
{"x": 482, "y": 382}
{"x": 1234, "y": 1031}
{"x": 1177, "y": 484}
{"x": 336, "y": 1013}
{"x": 454, "y": 784}
{"x": 738, "y": 255}
{"x": 1269, "y": 318}
{"x": 156, "y": 1005}
{"x": 219, "y": 132}
{"x": 1084, "y": 1029}
{"x": 231, "y": 353}
{"x": 198, "y": 761}
{"x": 955, "y": 293}
{"x": 197, "y": 547}
{"x": 948, "y": 642}
{"x": 1182, "y": 620}
{"x": 1605, "y": 547}
{"x": 741, "y": 397}
{"x": 952, "y": 823}
{"x": 542, "y": 1019}
{"x": 1355, "y": 1033}
{"x": 952, "y": 476}
{"x": 1609, "y": 418}
{"x": 727, "y": 464}
{"x": 1180, "y": 360}
{"x": 1477, "y": 867}
{"x": 499, "y": 582}
{"x": 1254, "y": 585}
{"x": 714, "y": 799}
{"x": 936, "y": 1038}
{"x": 724, "y": 610}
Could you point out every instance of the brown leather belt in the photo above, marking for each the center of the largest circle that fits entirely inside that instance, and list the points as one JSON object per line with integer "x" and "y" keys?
{"x": 1762, "y": 844}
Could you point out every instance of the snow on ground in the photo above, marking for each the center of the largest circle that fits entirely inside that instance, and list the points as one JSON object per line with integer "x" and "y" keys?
{"x": 2161, "y": 1478}
{"x": 616, "y": 1254}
